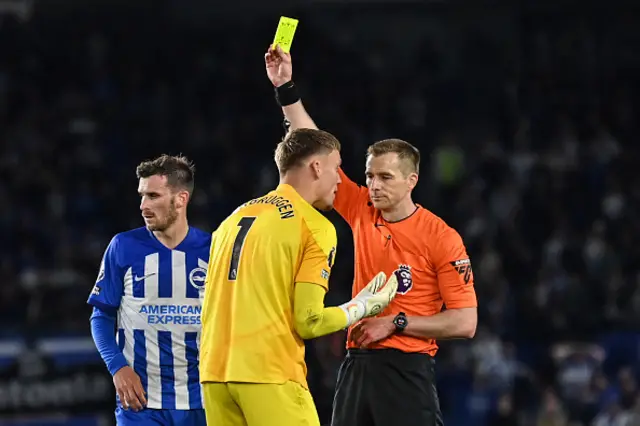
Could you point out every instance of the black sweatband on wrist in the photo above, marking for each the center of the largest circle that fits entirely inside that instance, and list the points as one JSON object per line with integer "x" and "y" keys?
{"x": 287, "y": 94}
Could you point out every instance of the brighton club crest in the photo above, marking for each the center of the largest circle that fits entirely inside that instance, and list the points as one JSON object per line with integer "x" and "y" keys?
{"x": 405, "y": 281}
{"x": 197, "y": 278}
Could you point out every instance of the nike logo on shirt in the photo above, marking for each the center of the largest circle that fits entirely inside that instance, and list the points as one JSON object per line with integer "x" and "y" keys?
{"x": 137, "y": 278}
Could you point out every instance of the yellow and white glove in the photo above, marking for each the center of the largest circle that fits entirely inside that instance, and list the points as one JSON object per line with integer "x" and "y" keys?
{"x": 372, "y": 299}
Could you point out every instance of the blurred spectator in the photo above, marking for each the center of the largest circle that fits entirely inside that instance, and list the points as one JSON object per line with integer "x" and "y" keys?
{"x": 505, "y": 414}
{"x": 551, "y": 412}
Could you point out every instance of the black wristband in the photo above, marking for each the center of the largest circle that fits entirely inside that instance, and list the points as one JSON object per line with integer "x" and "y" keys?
{"x": 287, "y": 94}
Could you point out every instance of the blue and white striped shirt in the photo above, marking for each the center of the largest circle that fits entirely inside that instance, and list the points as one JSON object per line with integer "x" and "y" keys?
{"x": 158, "y": 295}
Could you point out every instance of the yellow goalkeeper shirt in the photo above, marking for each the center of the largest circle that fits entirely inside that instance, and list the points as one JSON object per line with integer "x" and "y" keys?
{"x": 257, "y": 255}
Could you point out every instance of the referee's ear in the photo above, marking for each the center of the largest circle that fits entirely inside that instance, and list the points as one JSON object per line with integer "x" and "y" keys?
{"x": 412, "y": 180}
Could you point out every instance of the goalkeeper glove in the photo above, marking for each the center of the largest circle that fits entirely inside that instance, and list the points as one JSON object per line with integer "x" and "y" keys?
{"x": 372, "y": 299}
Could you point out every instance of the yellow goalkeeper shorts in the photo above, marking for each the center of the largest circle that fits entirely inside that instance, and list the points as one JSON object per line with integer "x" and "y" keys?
{"x": 259, "y": 404}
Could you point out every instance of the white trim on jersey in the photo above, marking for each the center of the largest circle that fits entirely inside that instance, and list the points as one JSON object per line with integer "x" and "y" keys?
{"x": 151, "y": 275}
{"x": 179, "y": 275}
{"x": 154, "y": 384}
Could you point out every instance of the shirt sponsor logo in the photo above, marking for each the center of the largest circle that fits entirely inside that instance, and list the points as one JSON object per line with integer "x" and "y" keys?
{"x": 172, "y": 314}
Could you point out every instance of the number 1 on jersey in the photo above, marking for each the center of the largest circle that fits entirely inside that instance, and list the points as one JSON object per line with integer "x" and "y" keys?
{"x": 244, "y": 224}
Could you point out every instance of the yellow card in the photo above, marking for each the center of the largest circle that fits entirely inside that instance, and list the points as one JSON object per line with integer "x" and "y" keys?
{"x": 284, "y": 33}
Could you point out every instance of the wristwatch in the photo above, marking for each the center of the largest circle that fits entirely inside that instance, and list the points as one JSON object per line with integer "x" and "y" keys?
{"x": 400, "y": 321}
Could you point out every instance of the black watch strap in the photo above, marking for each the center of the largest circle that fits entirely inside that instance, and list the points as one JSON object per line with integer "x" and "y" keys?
{"x": 400, "y": 321}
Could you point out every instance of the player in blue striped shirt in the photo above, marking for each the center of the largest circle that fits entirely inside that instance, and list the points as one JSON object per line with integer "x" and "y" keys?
{"x": 150, "y": 288}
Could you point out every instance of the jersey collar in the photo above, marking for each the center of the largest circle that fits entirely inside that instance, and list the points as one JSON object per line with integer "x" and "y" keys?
{"x": 288, "y": 189}
{"x": 378, "y": 216}
{"x": 185, "y": 242}
{"x": 285, "y": 187}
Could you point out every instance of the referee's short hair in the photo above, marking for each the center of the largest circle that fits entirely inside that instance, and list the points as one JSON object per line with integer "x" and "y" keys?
{"x": 300, "y": 144}
{"x": 407, "y": 153}
{"x": 178, "y": 169}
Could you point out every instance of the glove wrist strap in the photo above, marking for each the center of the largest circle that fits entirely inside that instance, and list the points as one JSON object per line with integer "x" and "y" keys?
{"x": 354, "y": 310}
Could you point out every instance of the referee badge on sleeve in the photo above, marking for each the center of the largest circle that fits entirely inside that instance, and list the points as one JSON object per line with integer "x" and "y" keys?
{"x": 463, "y": 267}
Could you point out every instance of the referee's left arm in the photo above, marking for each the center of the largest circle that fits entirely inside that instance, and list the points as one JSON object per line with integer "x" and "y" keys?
{"x": 456, "y": 323}
{"x": 455, "y": 282}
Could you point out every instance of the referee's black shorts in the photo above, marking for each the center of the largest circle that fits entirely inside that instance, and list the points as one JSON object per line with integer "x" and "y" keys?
{"x": 385, "y": 387}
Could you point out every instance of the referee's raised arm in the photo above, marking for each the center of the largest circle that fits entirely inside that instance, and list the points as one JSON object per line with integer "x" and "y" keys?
{"x": 351, "y": 197}
{"x": 280, "y": 72}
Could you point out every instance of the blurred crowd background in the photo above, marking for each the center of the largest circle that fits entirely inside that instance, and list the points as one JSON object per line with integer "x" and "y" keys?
{"x": 526, "y": 114}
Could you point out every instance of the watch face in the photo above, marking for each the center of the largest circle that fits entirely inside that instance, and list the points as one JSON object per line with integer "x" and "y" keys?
{"x": 401, "y": 322}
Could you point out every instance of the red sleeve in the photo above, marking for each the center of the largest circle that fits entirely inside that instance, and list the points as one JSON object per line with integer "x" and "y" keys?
{"x": 454, "y": 272}
{"x": 350, "y": 199}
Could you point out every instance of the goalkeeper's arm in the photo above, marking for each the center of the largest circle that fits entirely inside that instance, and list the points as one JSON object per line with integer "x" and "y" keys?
{"x": 312, "y": 319}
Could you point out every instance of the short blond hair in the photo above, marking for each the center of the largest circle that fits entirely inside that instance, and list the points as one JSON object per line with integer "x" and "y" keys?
{"x": 301, "y": 144}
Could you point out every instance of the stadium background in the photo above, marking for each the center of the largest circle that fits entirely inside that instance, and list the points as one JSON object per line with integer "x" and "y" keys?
{"x": 526, "y": 114}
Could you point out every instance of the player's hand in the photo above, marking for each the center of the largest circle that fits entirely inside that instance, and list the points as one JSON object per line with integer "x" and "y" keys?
{"x": 372, "y": 299}
{"x": 278, "y": 65}
{"x": 129, "y": 389}
{"x": 378, "y": 294}
{"x": 371, "y": 330}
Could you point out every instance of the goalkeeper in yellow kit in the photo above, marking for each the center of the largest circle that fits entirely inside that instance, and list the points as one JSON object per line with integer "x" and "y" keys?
{"x": 264, "y": 292}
